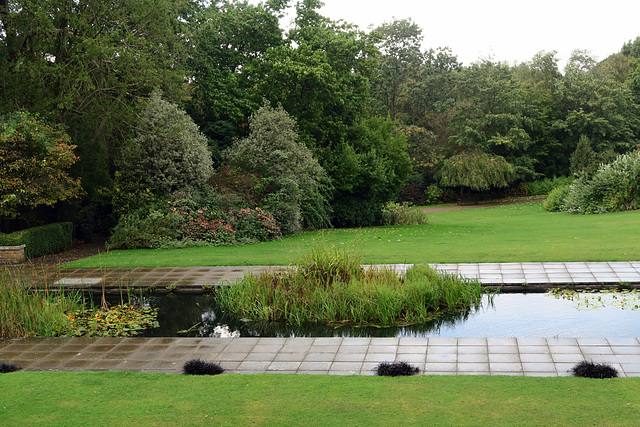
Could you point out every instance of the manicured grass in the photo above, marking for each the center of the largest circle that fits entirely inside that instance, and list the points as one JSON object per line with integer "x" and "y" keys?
{"x": 115, "y": 398}
{"x": 512, "y": 233}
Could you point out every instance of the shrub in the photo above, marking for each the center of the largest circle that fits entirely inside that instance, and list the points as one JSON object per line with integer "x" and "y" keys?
{"x": 200, "y": 367}
{"x": 397, "y": 214}
{"x": 594, "y": 370}
{"x": 545, "y": 186}
{"x": 44, "y": 240}
{"x": 297, "y": 184}
{"x": 556, "y": 198}
{"x": 396, "y": 369}
{"x": 168, "y": 153}
{"x": 331, "y": 287}
{"x": 614, "y": 187}
{"x": 152, "y": 228}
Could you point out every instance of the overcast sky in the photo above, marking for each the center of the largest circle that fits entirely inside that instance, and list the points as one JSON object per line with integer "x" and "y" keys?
{"x": 505, "y": 30}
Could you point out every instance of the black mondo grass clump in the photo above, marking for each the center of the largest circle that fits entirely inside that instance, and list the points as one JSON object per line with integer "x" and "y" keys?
{"x": 5, "y": 368}
{"x": 594, "y": 370}
{"x": 396, "y": 369}
{"x": 200, "y": 367}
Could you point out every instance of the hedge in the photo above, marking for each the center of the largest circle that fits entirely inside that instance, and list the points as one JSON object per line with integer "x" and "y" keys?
{"x": 43, "y": 240}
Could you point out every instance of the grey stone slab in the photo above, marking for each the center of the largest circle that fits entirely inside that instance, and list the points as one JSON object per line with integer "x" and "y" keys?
{"x": 473, "y": 358}
{"x": 623, "y": 341}
{"x": 567, "y": 358}
{"x": 531, "y": 342}
{"x": 472, "y": 342}
{"x": 504, "y": 367}
{"x": 284, "y": 366}
{"x": 441, "y": 358}
{"x": 591, "y": 350}
{"x": 350, "y": 357}
{"x": 319, "y": 357}
{"x": 412, "y": 341}
{"x": 380, "y": 357}
{"x": 442, "y": 349}
{"x": 631, "y": 350}
{"x": 504, "y": 358}
{"x": 355, "y": 342}
{"x": 472, "y": 367}
{"x": 503, "y": 349}
{"x": 411, "y": 358}
{"x": 350, "y": 367}
{"x": 566, "y": 349}
{"x": 289, "y": 357}
{"x": 441, "y": 367}
{"x": 383, "y": 349}
{"x": 536, "y": 358}
{"x": 315, "y": 366}
{"x": 353, "y": 349}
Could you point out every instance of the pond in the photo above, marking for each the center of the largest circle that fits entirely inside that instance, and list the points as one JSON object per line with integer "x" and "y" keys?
{"x": 502, "y": 315}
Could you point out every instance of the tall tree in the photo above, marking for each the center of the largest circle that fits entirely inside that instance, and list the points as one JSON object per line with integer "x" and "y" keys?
{"x": 400, "y": 61}
{"x": 231, "y": 38}
{"x": 86, "y": 64}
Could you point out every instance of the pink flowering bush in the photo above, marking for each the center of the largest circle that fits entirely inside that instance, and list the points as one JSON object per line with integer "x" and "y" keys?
{"x": 255, "y": 224}
{"x": 224, "y": 227}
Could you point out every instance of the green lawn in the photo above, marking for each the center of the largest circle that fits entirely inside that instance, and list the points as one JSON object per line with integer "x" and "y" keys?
{"x": 115, "y": 398}
{"x": 511, "y": 233}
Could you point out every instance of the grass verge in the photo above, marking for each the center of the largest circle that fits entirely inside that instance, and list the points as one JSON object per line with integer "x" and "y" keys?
{"x": 109, "y": 398}
{"x": 511, "y": 233}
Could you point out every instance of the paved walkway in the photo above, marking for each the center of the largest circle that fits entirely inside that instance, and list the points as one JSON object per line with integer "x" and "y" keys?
{"x": 339, "y": 356}
{"x": 333, "y": 356}
{"x": 195, "y": 278}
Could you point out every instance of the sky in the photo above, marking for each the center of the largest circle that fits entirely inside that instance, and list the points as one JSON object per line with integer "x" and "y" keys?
{"x": 504, "y": 30}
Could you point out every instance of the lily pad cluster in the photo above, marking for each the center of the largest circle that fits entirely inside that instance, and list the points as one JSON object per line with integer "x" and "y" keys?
{"x": 116, "y": 321}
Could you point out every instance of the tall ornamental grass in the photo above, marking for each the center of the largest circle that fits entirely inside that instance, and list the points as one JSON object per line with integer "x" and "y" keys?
{"x": 28, "y": 313}
{"x": 332, "y": 287}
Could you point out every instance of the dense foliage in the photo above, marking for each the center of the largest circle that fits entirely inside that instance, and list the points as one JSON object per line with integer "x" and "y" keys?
{"x": 368, "y": 107}
{"x": 614, "y": 187}
{"x": 34, "y": 163}
{"x": 43, "y": 240}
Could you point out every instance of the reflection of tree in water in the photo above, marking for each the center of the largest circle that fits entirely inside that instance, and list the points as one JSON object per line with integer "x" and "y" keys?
{"x": 199, "y": 316}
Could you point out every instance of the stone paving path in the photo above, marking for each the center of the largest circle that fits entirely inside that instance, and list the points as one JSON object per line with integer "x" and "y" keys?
{"x": 333, "y": 356}
{"x": 195, "y": 278}
{"x": 339, "y": 356}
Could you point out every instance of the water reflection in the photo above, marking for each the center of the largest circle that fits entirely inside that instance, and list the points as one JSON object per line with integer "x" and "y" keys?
{"x": 511, "y": 315}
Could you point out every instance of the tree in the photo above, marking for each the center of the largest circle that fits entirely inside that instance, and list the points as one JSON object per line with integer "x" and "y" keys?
{"x": 476, "y": 171}
{"x": 87, "y": 65}
{"x": 400, "y": 61}
{"x": 232, "y": 36}
{"x": 34, "y": 162}
{"x": 298, "y": 184}
{"x": 168, "y": 153}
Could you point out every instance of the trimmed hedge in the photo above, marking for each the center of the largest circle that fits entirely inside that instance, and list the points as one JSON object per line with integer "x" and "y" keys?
{"x": 43, "y": 240}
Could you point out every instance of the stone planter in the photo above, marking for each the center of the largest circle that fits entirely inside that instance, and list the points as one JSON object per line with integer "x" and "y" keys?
{"x": 12, "y": 254}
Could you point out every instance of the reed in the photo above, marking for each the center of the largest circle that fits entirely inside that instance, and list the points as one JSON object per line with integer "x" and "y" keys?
{"x": 329, "y": 286}
{"x": 25, "y": 312}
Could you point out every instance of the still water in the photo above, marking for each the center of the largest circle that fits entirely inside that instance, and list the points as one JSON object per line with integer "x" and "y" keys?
{"x": 507, "y": 315}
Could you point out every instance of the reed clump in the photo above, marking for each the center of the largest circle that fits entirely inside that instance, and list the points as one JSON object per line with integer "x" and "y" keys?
{"x": 26, "y": 312}
{"x": 329, "y": 286}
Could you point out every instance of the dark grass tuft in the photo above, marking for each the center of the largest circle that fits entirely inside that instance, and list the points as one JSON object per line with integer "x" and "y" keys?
{"x": 200, "y": 367}
{"x": 5, "y": 368}
{"x": 396, "y": 369}
{"x": 594, "y": 370}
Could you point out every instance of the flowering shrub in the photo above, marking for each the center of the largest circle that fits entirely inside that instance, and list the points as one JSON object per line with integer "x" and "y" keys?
{"x": 204, "y": 224}
{"x": 255, "y": 225}
{"x": 221, "y": 227}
